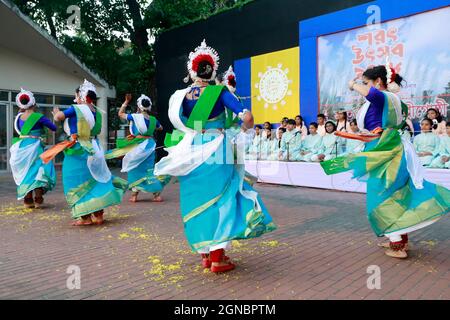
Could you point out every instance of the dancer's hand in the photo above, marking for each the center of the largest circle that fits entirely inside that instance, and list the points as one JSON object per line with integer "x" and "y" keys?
{"x": 351, "y": 83}
{"x": 55, "y": 110}
{"x": 57, "y": 114}
{"x": 424, "y": 154}
{"x": 248, "y": 120}
{"x": 128, "y": 98}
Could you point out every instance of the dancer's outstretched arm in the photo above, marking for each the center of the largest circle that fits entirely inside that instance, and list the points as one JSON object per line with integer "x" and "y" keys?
{"x": 122, "y": 114}
{"x": 362, "y": 89}
{"x": 58, "y": 115}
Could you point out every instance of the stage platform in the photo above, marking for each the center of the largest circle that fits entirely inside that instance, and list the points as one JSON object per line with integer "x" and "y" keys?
{"x": 304, "y": 174}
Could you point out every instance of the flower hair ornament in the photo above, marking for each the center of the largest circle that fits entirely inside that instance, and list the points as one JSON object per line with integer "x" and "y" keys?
{"x": 85, "y": 88}
{"x": 392, "y": 86}
{"x": 229, "y": 78}
{"x": 139, "y": 103}
{"x": 25, "y": 99}
{"x": 200, "y": 54}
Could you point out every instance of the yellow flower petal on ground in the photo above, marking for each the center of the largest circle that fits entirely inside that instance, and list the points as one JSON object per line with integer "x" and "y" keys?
{"x": 236, "y": 244}
{"x": 123, "y": 236}
{"x": 272, "y": 243}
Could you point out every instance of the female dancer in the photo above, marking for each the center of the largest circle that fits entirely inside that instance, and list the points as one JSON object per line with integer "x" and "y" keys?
{"x": 89, "y": 186}
{"x": 139, "y": 150}
{"x": 399, "y": 201}
{"x": 217, "y": 205}
{"x": 30, "y": 173}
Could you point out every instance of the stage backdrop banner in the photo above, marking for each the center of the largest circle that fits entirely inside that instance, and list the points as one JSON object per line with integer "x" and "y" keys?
{"x": 418, "y": 48}
{"x": 275, "y": 84}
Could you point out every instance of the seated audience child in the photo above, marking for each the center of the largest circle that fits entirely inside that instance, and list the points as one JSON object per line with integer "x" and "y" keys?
{"x": 283, "y": 123}
{"x": 426, "y": 143}
{"x": 310, "y": 145}
{"x": 300, "y": 126}
{"x": 443, "y": 157}
{"x": 267, "y": 144}
{"x": 276, "y": 144}
{"x": 255, "y": 148}
{"x": 331, "y": 145}
{"x": 439, "y": 123}
{"x": 342, "y": 121}
{"x": 321, "y": 124}
{"x": 290, "y": 143}
{"x": 267, "y": 125}
{"x": 353, "y": 146}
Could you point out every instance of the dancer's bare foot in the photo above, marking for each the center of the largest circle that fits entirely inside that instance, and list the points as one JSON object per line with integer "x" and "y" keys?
{"x": 157, "y": 198}
{"x": 134, "y": 198}
{"x": 98, "y": 218}
{"x": 83, "y": 222}
{"x": 38, "y": 203}
{"x": 386, "y": 245}
{"x": 38, "y": 198}
{"x": 400, "y": 254}
{"x": 223, "y": 266}
{"x": 28, "y": 205}
{"x": 28, "y": 201}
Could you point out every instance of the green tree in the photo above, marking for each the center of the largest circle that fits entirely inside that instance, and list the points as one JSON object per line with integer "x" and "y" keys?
{"x": 116, "y": 36}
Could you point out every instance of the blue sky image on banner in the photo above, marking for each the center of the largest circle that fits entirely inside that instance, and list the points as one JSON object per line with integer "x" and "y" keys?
{"x": 418, "y": 49}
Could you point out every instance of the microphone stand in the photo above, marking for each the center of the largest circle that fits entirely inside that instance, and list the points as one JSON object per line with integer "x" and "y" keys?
{"x": 336, "y": 146}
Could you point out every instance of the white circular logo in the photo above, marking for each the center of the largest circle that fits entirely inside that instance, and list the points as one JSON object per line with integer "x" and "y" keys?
{"x": 273, "y": 85}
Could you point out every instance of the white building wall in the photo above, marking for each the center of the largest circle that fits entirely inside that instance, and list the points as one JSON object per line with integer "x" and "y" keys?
{"x": 17, "y": 71}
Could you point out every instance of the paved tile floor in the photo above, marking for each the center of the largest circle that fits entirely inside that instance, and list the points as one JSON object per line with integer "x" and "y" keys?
{"x": 321, "y": 250}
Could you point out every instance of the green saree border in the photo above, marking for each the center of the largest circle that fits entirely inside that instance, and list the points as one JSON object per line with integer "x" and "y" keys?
{"x": 426, "y": 211}
{"x": 268, "y": 228}
{"x": 23, "y": 189}
{"x": 110, "y": 199}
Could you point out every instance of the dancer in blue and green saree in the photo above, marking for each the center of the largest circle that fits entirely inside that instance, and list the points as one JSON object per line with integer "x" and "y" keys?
{"x": 399, "y": 200}
{"x": 138, "y": 150}
{"x": 217, "y": 204}
{"x": 29, "y": 172}
{"x": 89, "y": 186}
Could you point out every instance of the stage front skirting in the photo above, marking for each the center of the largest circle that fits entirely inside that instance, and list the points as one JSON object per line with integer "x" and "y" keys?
{"x": 303, "y": 174}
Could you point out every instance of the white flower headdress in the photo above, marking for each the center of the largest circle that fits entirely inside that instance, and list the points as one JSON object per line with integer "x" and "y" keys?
{"x": 228, "y": 76}
{"x": 25, "y": 96}
{"x": 392, "y": 86}
{"x": 203, "y": 53}
{"x": 139, "y": 103}
{"x": 85, "y": 88}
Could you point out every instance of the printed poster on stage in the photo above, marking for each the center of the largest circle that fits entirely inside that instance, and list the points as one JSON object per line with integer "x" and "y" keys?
{"x": 418, "y": 47}
{"x": 275, "y": 82}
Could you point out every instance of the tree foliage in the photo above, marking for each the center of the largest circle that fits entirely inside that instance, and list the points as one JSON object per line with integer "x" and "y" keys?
{"x": 115, "y": 37}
